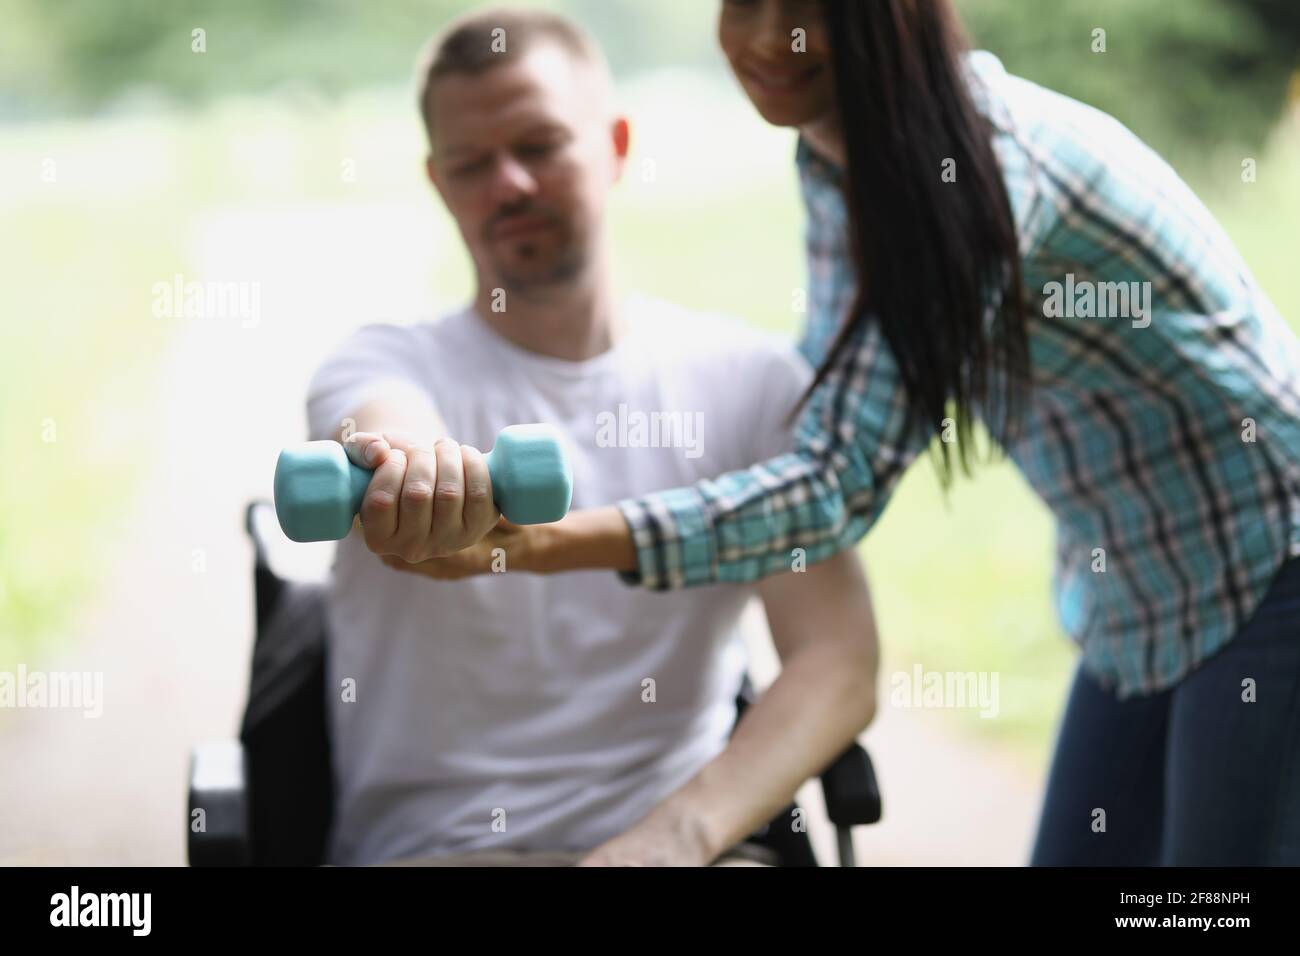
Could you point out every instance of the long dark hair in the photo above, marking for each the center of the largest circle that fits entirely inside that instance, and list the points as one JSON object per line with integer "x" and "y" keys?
{"x": 937, "y": 263}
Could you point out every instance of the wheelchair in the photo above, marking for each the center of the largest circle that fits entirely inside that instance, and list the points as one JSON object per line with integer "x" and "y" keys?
{"x": 266, "y": 799}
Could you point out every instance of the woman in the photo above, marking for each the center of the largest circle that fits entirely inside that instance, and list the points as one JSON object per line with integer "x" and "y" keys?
{"x": 980, "y": 247}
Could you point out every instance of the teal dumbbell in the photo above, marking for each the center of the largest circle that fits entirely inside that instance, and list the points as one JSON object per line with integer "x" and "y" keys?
{"x": 318, "y": 490}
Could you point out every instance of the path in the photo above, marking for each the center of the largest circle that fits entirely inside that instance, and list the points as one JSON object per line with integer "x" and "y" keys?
{"x": 171, "y": 629}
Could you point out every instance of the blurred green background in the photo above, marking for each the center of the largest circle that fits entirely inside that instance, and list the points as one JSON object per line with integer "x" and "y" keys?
{"x": 147, "y": 140}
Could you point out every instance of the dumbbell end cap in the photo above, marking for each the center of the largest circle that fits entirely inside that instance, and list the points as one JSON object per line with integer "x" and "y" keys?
{"x": 532, "y": 477}
{"x": 314, "y": 492}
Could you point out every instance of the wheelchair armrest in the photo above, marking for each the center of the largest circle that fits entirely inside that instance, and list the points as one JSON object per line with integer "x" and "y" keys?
{"x": 849, "y": 785}
{"x": 218, "y": 822}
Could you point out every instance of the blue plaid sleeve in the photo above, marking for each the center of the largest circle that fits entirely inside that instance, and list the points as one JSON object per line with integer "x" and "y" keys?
{"x": 855, "y": 438}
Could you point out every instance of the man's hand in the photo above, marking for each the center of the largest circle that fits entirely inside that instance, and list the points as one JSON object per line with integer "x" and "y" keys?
{"x": 501, "y": 549}
{"x": 423, "y": 502}
{"x": 667, "y": 837}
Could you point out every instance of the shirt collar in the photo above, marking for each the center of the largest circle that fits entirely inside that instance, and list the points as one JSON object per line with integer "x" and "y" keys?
{"x": 813, "y": 165}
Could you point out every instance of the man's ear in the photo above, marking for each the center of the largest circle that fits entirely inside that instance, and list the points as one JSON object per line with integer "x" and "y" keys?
{"x": 621, "y": 133}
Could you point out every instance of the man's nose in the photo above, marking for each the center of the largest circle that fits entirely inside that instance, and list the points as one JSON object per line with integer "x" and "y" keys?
{"x": 511, "y": 180}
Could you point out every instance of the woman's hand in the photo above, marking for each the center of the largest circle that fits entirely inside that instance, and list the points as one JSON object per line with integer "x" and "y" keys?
{"x": 581, "y": 540}
{"x": 501, "y": 549}
{"x": 423, "y": 501}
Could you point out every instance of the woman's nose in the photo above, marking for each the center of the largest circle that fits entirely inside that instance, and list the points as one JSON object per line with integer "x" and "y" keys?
{"x": 774, "y": 36}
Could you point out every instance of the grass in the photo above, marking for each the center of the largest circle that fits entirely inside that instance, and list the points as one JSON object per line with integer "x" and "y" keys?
{"x": 966, "y": 588}
{"x": 77, "y": 359}
{"x": 960, "y": 583}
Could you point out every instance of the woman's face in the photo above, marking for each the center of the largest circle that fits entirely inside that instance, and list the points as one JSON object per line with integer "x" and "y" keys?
{"x": 779, "y": 51}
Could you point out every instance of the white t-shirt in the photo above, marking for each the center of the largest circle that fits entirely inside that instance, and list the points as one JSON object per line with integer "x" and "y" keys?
{"x": 510, "y": 710}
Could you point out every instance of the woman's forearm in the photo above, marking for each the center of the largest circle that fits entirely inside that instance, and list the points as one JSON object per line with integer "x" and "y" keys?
{"x": 590, "y": 539}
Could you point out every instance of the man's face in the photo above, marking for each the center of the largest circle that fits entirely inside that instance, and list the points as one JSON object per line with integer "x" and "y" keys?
{"x": 524, "y": 155}
{"x": 786, "y": 74}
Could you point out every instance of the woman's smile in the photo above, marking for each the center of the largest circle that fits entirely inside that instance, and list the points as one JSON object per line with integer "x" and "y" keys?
{"x": 775, "y": 81}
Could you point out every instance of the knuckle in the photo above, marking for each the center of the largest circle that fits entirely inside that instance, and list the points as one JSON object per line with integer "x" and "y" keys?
{"x": 449, "y": 491}
{"x": 417, "y": 493}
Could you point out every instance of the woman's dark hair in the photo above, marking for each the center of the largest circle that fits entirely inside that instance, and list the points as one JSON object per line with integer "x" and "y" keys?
{"x": 937, "y": 263}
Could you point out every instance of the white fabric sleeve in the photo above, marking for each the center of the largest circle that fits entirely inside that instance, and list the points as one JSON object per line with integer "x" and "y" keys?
{"x": 376, "y": 361}
{"x": 780, "y": 377}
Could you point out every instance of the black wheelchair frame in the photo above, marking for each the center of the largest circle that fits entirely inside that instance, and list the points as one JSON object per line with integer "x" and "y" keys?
{"x": 267, "y": 798}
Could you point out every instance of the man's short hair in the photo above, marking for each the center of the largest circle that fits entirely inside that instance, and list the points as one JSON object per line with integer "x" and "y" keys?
{"x": 483, "y": 39}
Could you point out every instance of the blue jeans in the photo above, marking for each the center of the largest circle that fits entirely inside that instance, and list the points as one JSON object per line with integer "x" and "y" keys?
{"x": 1190, "y": 776}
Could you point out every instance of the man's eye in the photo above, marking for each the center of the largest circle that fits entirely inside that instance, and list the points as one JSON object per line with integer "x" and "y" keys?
{"x": 535, "y": 150}
{"x": 469, "y": 168}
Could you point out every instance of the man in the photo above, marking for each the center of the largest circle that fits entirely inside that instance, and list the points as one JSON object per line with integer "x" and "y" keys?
{"x": 515, "y": 714}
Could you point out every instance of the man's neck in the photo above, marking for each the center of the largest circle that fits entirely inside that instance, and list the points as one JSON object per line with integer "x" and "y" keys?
{"x": 575, "y": 321}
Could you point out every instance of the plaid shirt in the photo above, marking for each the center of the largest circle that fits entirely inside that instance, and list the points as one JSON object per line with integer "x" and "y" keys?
{"x": 1166, "y": 443}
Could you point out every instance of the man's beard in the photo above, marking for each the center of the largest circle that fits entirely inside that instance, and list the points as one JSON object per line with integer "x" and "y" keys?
{"x": 564, "y": 265}
{"x": 555, "y": 262}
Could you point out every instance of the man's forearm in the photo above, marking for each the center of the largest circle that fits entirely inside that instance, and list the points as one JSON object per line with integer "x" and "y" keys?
{"x": 824, "y": 697}
{"x": 410, "y": 414}
{"x": 825, "y": 633}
